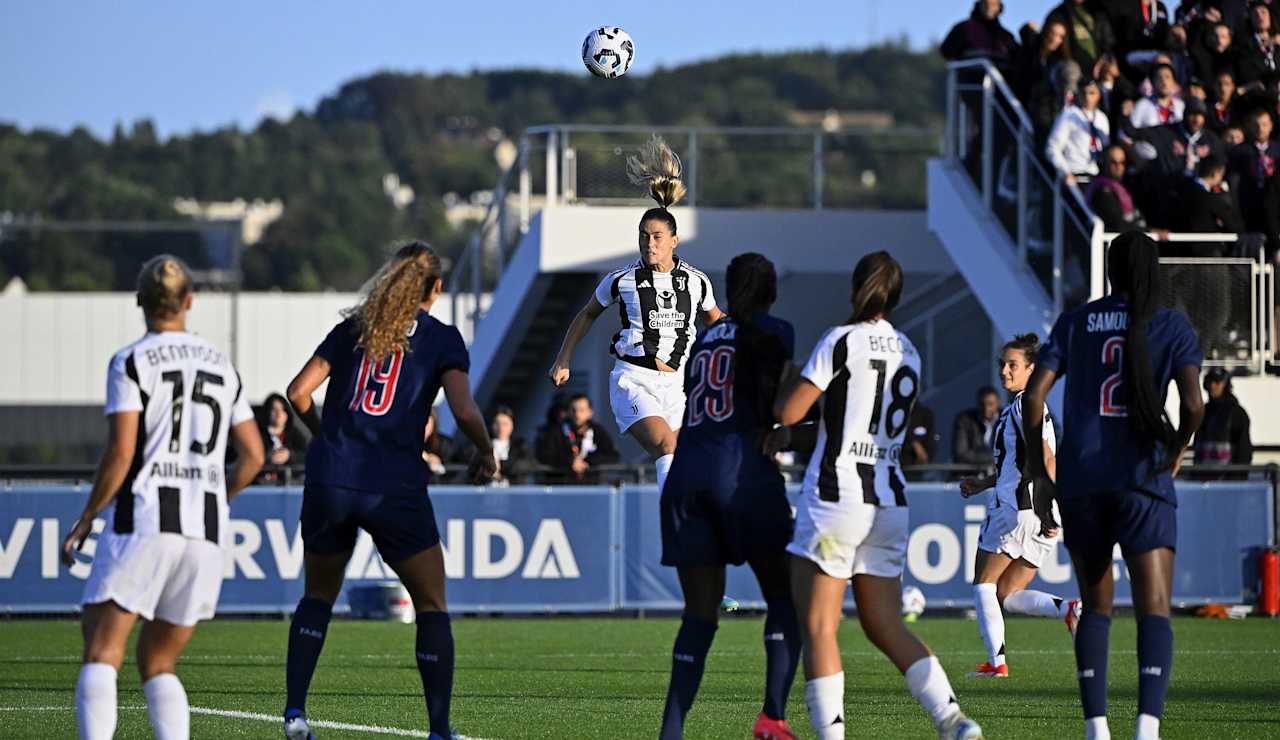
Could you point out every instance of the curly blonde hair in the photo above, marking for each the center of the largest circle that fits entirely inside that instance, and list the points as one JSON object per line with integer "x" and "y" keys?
{"x": 657, "y": 168}
{"x": 391, "y": 299}
{"x": 164, "y": 282}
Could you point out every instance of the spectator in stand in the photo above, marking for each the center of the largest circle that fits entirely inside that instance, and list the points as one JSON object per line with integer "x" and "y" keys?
{"x": 1163, "y": 106}
{"x": 1271, "y": 224}
{"x": 1109, "y": 196}
{"x": 1178, "y": 148}
{"x": 436, "y": 447}
{"x": 1223, "y": 437}
{"x": 1039, "y": 54}
{"x": 1257, "y": 56}
{"x": 1089, "y": 32}
{"x": 1250, "y": 165}
{"x": 283, "y": 437}
{"x": 1050, "y": 97}
{"x": 921, "y": 444}
{"x": 1223, "y": 106}
{"x": 982, "y": 37}
{"x": 1117, "y": 91}
{"x": 1079, "y": 135}
{"x": 971, "y": 434}
{"x": 1205, "y": 205}
{"x": 515, "y": 461}
{"x": 576, "y": 445}
{"x": 1211, "y": 52}
{"x": 1141, "y": 27}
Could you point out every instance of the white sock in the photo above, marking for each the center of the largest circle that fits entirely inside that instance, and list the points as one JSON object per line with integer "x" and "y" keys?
{"x": 1148, "y": 728}
{"x": 1095, "y": 728}
{"x": 990, "y": 621}
{"x": 825, "y": 698}
{"x": 96, "y": 701}
{"x": 929, "y": 685}
{"x": 1035, "y": 604}
{"x": 167, "y": 705}
{"x": 663, "y": 464}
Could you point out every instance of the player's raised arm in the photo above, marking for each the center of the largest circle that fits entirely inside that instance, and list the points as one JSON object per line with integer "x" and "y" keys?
{"x": 122, "y": 439}
{"x": 578, "y": 328}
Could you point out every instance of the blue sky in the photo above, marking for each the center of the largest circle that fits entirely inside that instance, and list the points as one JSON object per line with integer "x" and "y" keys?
{"x": 199, "y": 64}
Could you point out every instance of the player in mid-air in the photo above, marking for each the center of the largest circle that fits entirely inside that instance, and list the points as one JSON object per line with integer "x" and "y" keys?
{"x": 851, "y": 519}
{"x": 660, "y": 297}
{"x": 1010, "y": 546}
{"x": 1116, "y": 464}
{"x": 725, "y": 501}
{"x": 385, "y": 364}
{"x": 172, "y": 401}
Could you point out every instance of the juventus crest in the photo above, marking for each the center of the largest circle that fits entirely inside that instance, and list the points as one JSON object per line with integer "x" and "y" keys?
{"x": 679, "y": 281}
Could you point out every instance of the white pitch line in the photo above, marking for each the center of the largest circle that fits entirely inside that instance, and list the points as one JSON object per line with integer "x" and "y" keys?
{"x": 232, "y": 714}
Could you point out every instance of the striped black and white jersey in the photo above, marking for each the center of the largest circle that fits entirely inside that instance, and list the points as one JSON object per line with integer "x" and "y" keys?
{"x": 189, "y": 396}
{"x": 870, "y": 376}
{"x": 1010, "y": 446}
{"x": 658, "y": 311}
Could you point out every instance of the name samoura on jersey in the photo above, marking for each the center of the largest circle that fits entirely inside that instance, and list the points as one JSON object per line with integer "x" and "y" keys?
{"x": 189, "y": 396}
{"x": 1011, "y": 455}
{"x": 658, "y": 311}
{"x": 870, "y": 373}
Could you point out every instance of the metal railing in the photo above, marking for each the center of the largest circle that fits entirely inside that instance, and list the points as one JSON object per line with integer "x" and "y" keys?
{"x": 1229, "y": 300}
{"x": 990, "y": 134}
{"x": 724, "y": 167}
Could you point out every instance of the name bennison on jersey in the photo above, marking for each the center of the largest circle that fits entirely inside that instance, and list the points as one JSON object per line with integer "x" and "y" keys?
{"x": 657, "y": 311}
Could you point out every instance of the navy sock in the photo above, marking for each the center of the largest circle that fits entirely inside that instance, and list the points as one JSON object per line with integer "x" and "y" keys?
{"x": 306, "y": 640}
{"x": 781, "y": 653}
{"x": 1093, "y": 637}
{"x": 688, "y": 658}
{"x": 1155, "y": 661}
{"x": 434, "y": 651}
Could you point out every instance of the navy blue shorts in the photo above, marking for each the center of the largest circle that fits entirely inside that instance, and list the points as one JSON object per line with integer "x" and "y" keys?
{"x": 1092, "y": 525}
{"x": 400, "y": 525}
{"x": 713, "y": 515}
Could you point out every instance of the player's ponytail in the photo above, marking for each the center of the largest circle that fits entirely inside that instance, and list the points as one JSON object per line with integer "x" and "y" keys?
{"x": 164, "y": 282}
{"x": 752, "y": 284}
{"x": 1028, "y": 344}
{"x": 877, "y": 287}
{"x": 657, "y": 169}
{"x": 1133, "y": 262}
{"x": 391, "y": 299}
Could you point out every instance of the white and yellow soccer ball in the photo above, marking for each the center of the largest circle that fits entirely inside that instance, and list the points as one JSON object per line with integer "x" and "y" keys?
{"x": 608, "y": 51}
{"x": 913, "y": 603}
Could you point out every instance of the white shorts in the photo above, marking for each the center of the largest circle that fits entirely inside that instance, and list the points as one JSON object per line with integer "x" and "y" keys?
{"x": 847, "y": 538}
{"x": 1016, "y": 534}
{"x": 157, "y": 576}
{"x": 637, "y": 392}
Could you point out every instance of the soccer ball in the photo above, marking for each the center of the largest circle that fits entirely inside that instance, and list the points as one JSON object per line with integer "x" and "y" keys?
{"x": 608, "y": 51}
{"x": 912, "y": 603}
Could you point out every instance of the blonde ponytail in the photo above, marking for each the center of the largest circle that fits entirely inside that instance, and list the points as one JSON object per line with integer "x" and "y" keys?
{"x": 164, "y": 282}
{"x": 391, "y": 300}
{"x": 657, "y": 168}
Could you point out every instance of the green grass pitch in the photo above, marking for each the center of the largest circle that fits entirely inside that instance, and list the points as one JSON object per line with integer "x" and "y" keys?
{"x": 606, "y": 678}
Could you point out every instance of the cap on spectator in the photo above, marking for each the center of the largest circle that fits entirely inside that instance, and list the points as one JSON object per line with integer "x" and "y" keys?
{"x": 1194, "y": 105}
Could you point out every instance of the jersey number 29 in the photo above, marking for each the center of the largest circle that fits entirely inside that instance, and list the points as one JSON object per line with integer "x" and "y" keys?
{"x": 712, "y": 394}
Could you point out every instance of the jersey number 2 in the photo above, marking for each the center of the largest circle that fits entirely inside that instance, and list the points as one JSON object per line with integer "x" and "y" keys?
{"x": 1112, "y": 354}
{"x": 713, "y": 370}
{"x": 376, "y": 384}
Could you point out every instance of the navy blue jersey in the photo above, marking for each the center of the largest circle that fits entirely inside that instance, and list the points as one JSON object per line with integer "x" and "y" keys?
{"x": 375, "y": 415}
{"x": 732, "y": 378}
{"x": 1100, "y": 450}
{"x": 780, "y": 328}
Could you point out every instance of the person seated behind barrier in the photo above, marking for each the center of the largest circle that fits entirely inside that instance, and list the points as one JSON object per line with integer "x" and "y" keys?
{"x": 576, "y": 445}
{"x": 436, "y": 448}
{"x": 921, "y": 444}
{"x": 971, "y": 434}
{"x": 1223, "y": 438}
{"x": 1079, "y": 134}
{"x": 283, "y": 438}
{"x": 515, "y": 462}
{"x": 1205, "y": 204}
{"x": 1109, "y": 193}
